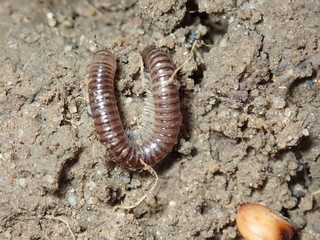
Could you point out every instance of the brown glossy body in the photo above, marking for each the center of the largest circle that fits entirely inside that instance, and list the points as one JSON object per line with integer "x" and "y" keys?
{"x": 164, "y": 126}
{"x": 258, "y": 222}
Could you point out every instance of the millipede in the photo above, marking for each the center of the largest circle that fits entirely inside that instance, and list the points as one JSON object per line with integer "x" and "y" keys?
{"x": 163, "y": 128}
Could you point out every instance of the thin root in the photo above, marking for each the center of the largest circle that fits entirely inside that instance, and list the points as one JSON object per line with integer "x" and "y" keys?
{"x": 183, "y": 64}
{"x": 52, "y": 217}
{"x": 27, "y": 63}
{"x": 315, "y": 193}
{"x": 152, "y": 172}
{"x": 93, "y": 8}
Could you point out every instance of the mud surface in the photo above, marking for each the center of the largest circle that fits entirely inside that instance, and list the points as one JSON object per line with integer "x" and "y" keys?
{"x": 250, "y": 132}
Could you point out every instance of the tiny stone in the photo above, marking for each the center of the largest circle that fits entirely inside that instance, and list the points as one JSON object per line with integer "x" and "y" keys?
{"x": 129, "y": 100}
{"x": 288, "y": 112}
{"x": 49, "y": 178}
{"x": 126, "y": 180}
{"x": 231, "y": 232}
{"x": 68, "y": 24}
{"x": 140, "y": 31}
{"x": 292, "y": 165}
{"x": 305, "y": 132}
{"x": 289, "y": 156}
{"x": 72, "y": 107}
{"x": 72, "y": 200}
{"x": 306, "y": 203}
{"x": 22, "y": 182}
{"x": 68, "y": 48}
{"x": 202, "y": 29}
{"x": 172, "y": 203}
{"x": 93, "y": 48}
{"x": 51, "y": 21}
{"x": 298, "y": 190}
{"x": 135, "y": 183}
{"x": 92, "y": 185}
{"x": 204, "y": 127}
{"x": 278, "y": 103}
{"x": 223, "y": 42}
{"x": 93, "y": 200}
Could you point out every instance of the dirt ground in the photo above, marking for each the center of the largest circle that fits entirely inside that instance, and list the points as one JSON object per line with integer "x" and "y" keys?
{"x": 251, "y": 117}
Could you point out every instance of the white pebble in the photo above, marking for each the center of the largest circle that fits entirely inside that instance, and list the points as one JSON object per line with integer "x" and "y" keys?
{"x": 93, "y": 48}
{"x": 51, "y": 21}
{"x": 298, "y": 190}
{"x": 172, "y": 203}
{"x": 140, "y": 31}
{"x": 231, "y": 19}
{"x": 129, "y": 100}
{"x": 72, "y": 200}
{"x": 288, "y": 112}
{"x": 22, "y": 182}
{"x": 202, "y": 29}
{"x": 278, "y": 102}
{"x": 49, "y": 178}
{"x": 125, "y": 179}
{"x": 232, "y": 232}
{"x": 72, "y": 107}
{"x": 305, "y": 132}
{"x": 68, "y": 48}
{"x": 92, "y": 200}
{"x": 135, "y": 183}
{"x": 92, "y": 185}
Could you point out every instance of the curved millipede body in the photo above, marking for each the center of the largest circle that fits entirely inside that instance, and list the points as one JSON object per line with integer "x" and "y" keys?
{"x": 166, "y": 119}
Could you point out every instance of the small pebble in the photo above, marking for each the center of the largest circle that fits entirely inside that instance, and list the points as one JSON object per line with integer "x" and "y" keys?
{"x": 22, "y": 182}
{"x": 91, "y": 185}
{"x": 202, "y": 29}
{"x": 72, "y": 200}
{"x": 289, "y": 156}
{"x": 93, "y": 48}
{"x": 293, "y": 165}
{"x": 49, "y": 178}
{"x": 172, "y": 203}
{"x": 305, "y": 132}
{"x": 288, "y": 112}
{"x": 140, "y": 31}
{"x": 68, "y": 48}
{"x": 125, "y": 179}
{"x": 278, "y": 103}
{"x": 93, "y": 200}
{"x": 232, "y": 232}
{"x": 298, "y": 190}
{"x": 68, "y": 23}
{"x": 72, "y": 107}
{"x": 135, "y": 183}
{"x": 51, "y": 21}
{"x": 306, "y": 203}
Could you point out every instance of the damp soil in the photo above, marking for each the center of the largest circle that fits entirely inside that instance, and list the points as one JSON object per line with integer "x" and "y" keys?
{"x": 249, "y": 98}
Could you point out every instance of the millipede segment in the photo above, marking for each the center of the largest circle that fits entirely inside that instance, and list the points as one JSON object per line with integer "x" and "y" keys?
{"x": 166, "y": 120}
